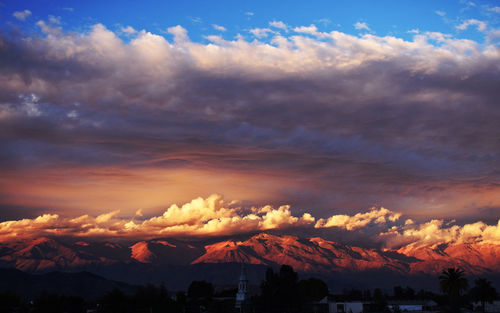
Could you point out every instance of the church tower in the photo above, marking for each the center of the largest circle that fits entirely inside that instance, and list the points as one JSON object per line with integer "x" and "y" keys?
{"x": 242, "y": 295}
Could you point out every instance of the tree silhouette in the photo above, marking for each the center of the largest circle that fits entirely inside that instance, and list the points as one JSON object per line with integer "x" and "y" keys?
{"x": 279, "y": 291}
{"x": 483, "y": 292}
{"x": 312, "y": 289}
{"x": 453, "y": 282}
{"x": 200, "y": 289}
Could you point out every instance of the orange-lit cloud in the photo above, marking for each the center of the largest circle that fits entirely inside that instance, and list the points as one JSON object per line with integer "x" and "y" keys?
{"x": 377, "y": 216}
{"x": 436, "y": 232}
{"x": 214, "y": 216}
{"x": 211, "y": 216}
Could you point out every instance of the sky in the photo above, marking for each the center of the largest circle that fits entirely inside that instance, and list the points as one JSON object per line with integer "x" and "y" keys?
{"x": 163, "y": 118}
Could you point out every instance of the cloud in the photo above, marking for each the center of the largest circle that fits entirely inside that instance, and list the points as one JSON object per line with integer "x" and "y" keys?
{"x": 200, "y": 217}
{"x": 195, "y": 19}
{"x": 361, "y": 26}
{"x": 22, "y": 15}
{"x": 495, "y": 9}
{"x": 261, "y": 32}
{"x": 325, "y": 21}
{"x": 219, "y": 28}
{"x": 481, "y": 26}
{"x": 493, "y": 35}
{"x": 436, "y": 232}
{"x": 54, "y": 19}
{"x": 440, "y": 13}
{"x": 376, "y": 216}
{"x": 309, "y": 117}
{"x": 310, "y": 30}
{"x": 213, "y": 216}
{"x": 129, "y": 30}
{"x": 279, "y": 24}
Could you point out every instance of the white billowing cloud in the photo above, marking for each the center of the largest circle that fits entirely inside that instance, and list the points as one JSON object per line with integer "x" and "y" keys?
{"x": 436, "y": 232}
{"x": 261, "y": 32}
{"x": 361, "y": 26}
{"x": 440, "y": 13}
{"x": 376, "y": 216}
{"x": 493, "y": 35}
{"x": 129, "y": 30}
{"x": 179, "y": 32}
{"x": 292, "y": 54}
{"x": 211, "y": 217}
{"x": 219, "y": 27}
{"x": 481, "y": 26}
{"x": 310, "y": 30}
{"x": 22, "y": 15}
{"x": 279, "y": 24}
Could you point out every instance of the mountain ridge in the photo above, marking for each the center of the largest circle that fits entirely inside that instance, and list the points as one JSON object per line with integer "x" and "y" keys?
{"x": 308, "y": 255}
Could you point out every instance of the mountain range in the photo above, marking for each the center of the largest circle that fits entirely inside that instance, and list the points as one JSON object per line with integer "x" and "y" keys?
{"x": 177, "y": 262}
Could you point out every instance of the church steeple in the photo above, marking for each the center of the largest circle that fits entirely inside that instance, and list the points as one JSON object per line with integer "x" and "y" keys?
{"x": 242, "y": 295}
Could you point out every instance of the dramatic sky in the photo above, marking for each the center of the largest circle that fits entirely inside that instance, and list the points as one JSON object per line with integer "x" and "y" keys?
{"x": 310, "y": 114}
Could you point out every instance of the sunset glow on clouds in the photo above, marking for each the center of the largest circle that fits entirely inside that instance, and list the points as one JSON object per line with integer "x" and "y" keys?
{"x": 119, "y": 117}
{"x": 213, "y": 216}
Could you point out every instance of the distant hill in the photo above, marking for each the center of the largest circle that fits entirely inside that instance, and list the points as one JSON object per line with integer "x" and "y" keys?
{"x": 83, "y": 284}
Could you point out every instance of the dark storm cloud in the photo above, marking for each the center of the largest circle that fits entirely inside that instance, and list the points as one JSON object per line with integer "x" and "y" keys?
{"x": 350, "y": 120}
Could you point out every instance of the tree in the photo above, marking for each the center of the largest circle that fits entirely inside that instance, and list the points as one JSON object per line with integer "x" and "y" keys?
{"x": 312, "y": 289}
{"x": 200, "y": 289}
{"x": 453, "y": 282}
{"x": 483, "y": 292}
{"x": 279, "y": 291}
{"x": 378, "y": 302}
{"x": 9, "y": 301}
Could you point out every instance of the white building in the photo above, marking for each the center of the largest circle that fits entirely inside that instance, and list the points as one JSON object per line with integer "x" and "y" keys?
{"x": 345, "y": 306}
{"x": 494, "y": 306}
{"x": 411, "y": 305}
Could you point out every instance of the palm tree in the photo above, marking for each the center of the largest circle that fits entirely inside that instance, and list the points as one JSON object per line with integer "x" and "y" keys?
{"x": 453, "y": 282}
{"x": 483, "y": 291}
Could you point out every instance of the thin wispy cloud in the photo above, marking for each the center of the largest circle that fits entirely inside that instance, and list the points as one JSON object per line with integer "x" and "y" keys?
{"x": 261, "y": 32}
{"x": 279, "y": 25}
{"x": 480, "y": 25}
{"x": 22, "y": 15}
{"x": 219, "y": 28}
{"x": 362, "y": 26}
{"x": 129, "y": 30}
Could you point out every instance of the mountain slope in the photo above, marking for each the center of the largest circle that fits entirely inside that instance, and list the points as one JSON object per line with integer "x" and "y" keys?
{"x": 43, "y": 254}
{"x": 473, "y": 258}
{"x": 319, "y": 255}
{"x": 306, "y": 255}
{"x": 142, "y": 260}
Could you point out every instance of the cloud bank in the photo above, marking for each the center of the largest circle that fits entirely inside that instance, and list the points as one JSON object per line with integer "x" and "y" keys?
{"x": 200, "y": 217}
{"x": 298, "y": 117}
{"x": 213, "y": 216}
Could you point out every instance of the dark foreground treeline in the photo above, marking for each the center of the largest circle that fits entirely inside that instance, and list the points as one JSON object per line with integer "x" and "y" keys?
{"x": 279, "y": 292}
